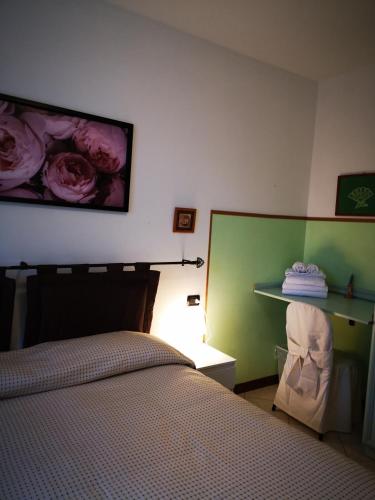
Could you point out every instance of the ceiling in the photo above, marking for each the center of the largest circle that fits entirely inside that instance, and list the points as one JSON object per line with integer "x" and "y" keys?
{"x": 316, "y": 39}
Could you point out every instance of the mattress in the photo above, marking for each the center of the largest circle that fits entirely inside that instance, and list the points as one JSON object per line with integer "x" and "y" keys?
{"x": 123, "y": 415}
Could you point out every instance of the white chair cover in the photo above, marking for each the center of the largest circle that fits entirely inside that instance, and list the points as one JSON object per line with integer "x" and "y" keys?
{"x": 305, "y": 382}
{"x": 344, "y": 406}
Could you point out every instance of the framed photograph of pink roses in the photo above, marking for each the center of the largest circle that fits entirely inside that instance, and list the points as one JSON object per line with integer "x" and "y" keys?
{"x": 56, "y": 156}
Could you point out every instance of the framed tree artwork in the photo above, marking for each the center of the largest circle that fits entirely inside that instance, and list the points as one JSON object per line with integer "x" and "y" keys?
{"x": 356, "y": 194}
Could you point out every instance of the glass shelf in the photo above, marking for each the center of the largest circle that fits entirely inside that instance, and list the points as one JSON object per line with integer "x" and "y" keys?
{"x": 355, "y": 309}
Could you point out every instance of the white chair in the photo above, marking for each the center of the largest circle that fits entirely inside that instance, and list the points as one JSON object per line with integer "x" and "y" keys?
{"x": 313, "y": 389}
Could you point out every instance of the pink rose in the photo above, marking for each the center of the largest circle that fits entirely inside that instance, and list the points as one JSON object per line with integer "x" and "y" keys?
{"x": 21, "y": 152}
{"x": 111, "y": 192}
{"x": 70, "y": 177}
{"x": 6, "y": 108}
{"x": 103, "y": 145}
{"x": 49, "y": 127}
{"x": 22, "y": 192}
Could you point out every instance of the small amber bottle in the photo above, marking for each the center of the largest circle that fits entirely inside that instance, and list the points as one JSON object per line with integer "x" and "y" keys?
{"x": 349, "y": 288}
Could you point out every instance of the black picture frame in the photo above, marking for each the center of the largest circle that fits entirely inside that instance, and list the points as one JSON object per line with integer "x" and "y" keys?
{"x": 355, "y": 195}
{"x": 94, "y": 152}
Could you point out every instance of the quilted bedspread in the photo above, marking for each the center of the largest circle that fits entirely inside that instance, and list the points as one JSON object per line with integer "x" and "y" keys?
{"x": 123, "y": 415}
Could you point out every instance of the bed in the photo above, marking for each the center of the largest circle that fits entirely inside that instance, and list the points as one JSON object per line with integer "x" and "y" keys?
{"x": 121, "y": 414}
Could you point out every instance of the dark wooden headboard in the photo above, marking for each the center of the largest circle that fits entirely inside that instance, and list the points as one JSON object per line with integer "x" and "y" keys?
{"x": 62, "y": 306}
{"x": 7, "y": 293}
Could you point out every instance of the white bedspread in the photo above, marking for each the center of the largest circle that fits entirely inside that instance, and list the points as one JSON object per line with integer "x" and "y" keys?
{"x": 163, "y": 431}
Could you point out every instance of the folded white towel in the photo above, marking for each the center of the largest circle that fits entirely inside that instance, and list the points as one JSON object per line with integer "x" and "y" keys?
{"x": 299, "y": 267}
{"x": 299, "y": 293}
{"x": 305, "y": 280}
{"x": 305, "y": 288}
{"x": 312, "y": 269}
{"x": 305, "y": 276}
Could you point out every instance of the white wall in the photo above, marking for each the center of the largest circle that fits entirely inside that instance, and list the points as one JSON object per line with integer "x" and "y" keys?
{"x": 213, "y": 130}
{"x": 344, "y": 135}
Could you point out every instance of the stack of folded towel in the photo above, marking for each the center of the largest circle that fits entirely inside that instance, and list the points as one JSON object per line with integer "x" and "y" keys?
{"x": 305, "y": 280}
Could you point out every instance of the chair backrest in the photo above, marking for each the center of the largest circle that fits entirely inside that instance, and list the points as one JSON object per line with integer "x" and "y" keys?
{"x": 305, "y": 382}
{"x": 308, "y": 327}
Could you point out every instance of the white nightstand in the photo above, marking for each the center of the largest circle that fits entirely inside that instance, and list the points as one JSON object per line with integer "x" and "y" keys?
{"x": 211, "y": 362}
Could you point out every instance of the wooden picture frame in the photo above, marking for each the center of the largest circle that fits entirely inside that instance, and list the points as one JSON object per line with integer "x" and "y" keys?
{"x": 356, "y": 195}
{"x": 184, "y": 220}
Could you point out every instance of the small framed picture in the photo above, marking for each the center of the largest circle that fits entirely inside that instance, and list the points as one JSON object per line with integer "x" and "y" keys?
{"x": 356, "y": 194}
{"x": 184, "y": 220}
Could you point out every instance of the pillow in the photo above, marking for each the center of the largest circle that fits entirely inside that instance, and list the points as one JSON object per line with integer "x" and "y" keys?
{"x": 62, "y": 306}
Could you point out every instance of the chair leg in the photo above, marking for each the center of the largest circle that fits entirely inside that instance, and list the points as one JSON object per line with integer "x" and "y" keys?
{"x": 321, "y": 437}
{"x": 273, "y": 407}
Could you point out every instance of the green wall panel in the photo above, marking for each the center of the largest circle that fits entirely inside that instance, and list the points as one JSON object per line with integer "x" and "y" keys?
{"x": 246, "y": 250}
{"x": 342, "y": 249}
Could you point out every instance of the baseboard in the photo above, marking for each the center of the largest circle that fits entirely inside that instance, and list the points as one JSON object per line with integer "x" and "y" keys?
{"x": 255, "y": 384}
